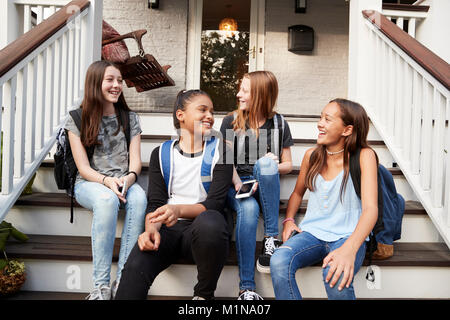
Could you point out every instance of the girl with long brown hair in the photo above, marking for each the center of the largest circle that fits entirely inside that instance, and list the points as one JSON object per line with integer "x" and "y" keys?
{"x": 106, "y": 180}
{"x": 261, "y": 141}
{"x": 337, "y": 222}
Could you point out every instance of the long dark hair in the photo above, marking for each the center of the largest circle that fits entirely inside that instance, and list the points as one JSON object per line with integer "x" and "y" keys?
{"x": 92, "y": 104}
{"x": 352, "y": 113}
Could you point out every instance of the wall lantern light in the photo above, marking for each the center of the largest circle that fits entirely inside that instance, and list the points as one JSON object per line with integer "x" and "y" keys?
{"x": 300, "y": 6}
{"x": 154, "y": 4}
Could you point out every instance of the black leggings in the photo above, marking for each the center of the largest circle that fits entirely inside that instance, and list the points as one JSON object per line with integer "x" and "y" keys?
{"x": 203, "y": 241}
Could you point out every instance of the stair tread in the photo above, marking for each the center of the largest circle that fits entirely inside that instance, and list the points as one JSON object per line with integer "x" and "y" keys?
{"x": 396, "y": 171}
{"x": 57, "y": 247}
{"x": 59, "y": 199}
{"x": 146, "y": 137}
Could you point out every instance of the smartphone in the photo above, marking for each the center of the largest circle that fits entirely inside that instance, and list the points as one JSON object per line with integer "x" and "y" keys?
{"x": 293, "y": 233}
{"x": 246, "y": 190}
{"x": 122, "y": 189}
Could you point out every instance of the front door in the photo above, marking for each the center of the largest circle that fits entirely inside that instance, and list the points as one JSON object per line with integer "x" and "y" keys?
{"x": 225, "y": 41}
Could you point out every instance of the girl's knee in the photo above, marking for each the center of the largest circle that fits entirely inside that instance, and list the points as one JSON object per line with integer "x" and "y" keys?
{"x": 334, "y": 293}
{"x": 138, "y": 200}
{"x": 106, "y": 200}
{"x": 266, "y": 166}
{"x": 280, "y": 259}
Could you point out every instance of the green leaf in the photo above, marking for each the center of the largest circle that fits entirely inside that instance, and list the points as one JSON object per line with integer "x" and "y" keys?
{"x": 19, "y": 235}
{"x": 3, "y": 238}
{"x": 3, "y": 264}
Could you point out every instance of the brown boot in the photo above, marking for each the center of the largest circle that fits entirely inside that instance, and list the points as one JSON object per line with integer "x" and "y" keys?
{"x": 383, "y": 251}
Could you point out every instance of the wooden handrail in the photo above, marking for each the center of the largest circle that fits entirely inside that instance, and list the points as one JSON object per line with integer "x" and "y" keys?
{"x": 432, "y": 63}
{"x": 16, "y": 51}
{"x": 405, "y": 7}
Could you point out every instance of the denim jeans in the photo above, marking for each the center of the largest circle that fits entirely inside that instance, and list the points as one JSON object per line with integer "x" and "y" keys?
{"x": 105, "y": 206}
{"x": 304, "y": 250}
{"x": 267, "y": 200}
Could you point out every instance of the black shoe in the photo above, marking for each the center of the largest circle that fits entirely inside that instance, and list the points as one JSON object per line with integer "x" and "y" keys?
{"x": 269, "y": 246}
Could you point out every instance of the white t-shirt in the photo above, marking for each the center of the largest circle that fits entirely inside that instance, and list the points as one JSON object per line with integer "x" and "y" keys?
{"x": 187, "y": 186}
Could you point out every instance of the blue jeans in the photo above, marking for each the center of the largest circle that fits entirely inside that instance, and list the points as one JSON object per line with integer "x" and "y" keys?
{"x": 105, "y": 206}
{"x": 304, "y": 250}
{"x": 266, "y": 199}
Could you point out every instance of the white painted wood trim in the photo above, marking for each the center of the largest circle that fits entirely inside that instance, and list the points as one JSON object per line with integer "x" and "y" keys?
{"x": 9, "y": 90}
{"x": 42, "y": 2}
{"x": 257, "y": 35}
{"x": 21, "y": 110}
{"x": 411, "y": 122}
{"x": 30, "y": 94}
{"x": 405, "y": 14}
{"x": 194, "y": 44}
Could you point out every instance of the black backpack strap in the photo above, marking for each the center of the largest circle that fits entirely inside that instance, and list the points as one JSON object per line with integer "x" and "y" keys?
{"x": 281, "y": 136}
{"x": 278, "y": 123}
{"x": 76, "y": 116}
{"x": 72, "y": 201}
{"x": 355, "y": 172}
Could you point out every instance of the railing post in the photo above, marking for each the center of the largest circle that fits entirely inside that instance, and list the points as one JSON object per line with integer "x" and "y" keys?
{"x": 446, "y": 211}
{"x": 9, "y": 90}
{"x": 94, "y": 35}
{"x": 359, "y": 41}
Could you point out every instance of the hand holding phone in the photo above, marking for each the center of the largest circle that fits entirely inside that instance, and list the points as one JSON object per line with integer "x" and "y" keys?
{"x": 246, "y": 190}
{"x": 293, "y": 233}
{"x": 124, "y": 187}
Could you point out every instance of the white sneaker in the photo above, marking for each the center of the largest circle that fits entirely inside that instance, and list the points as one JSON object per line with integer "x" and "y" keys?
{"x": 198, "y": 298}
{"x": 101, "y": 293}
{"x": 249, "y": 295}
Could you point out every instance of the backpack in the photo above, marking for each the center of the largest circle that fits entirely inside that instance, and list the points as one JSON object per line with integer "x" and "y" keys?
{"x": 278, "y": 123}
{"x": 391, "y": 207}
{"x": 65, "y": 168}
{"x": 278, "y": 134}
{"x": 166, "y": 163}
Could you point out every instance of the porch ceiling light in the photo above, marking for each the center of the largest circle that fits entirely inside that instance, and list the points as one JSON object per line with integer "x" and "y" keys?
{"x": 153, "y": 4}
{"x": 228, "y": 24}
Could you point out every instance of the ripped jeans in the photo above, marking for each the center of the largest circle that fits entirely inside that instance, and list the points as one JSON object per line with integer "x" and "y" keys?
{"x": 303, "y": 250}
{"x": 105, "y": 206}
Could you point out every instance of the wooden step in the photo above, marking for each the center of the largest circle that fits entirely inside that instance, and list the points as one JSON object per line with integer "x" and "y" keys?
{"x": 396, "y": 171}
{"x": 48, "y": 295}
{"x": 63, "y": 200}
{"x": 74, "y": 248}
{"x": 164, "y": 137}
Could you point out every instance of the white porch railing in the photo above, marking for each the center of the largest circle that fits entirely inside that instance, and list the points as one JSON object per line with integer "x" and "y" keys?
{"x": 41, "y": 79}
{"x": 405, "y": 19}
{"x": 33, "y": 12}
{"x": 406, "y": 95}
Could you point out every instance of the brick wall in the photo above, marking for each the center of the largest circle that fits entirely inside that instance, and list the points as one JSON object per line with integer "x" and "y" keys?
{"x": 165, "y": 40}
{"x": 308, "y": 81}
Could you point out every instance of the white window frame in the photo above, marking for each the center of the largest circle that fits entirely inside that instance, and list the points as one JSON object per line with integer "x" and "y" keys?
{"x": 256, "y": 44}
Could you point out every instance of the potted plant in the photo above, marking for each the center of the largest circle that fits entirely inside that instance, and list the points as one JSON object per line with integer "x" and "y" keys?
{"x": 12, "y": 272}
